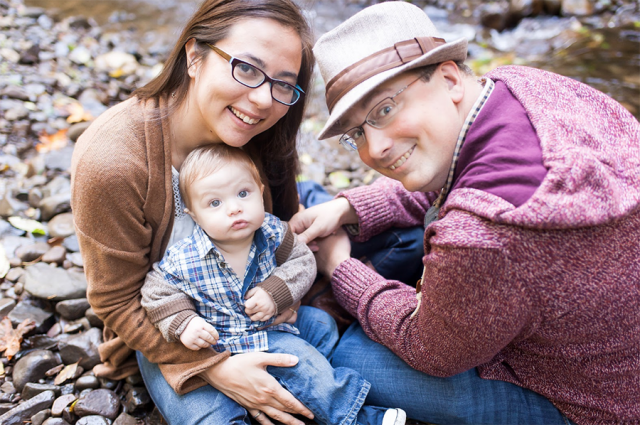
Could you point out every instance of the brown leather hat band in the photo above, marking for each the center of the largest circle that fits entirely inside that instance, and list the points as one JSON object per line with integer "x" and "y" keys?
{"x": 391, "y": 57}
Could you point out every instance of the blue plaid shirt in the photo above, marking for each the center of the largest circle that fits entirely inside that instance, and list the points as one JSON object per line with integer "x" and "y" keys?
{"x": 198, "y": 269}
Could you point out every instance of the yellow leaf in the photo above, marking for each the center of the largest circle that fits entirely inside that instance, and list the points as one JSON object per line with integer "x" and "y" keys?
{"x": 339, "y": 180}
{"x": 77, "y": 113}
{"x": 31, "y": 226}
{"x": 52, "y": 142}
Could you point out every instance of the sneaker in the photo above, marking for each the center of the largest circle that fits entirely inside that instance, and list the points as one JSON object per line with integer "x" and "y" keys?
{"x": 394, "y": 417}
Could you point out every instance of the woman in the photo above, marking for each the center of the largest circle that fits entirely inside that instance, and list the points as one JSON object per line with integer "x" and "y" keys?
{"x": 237, "y": 75}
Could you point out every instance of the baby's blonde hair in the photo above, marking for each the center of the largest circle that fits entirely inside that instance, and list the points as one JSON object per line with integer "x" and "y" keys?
{"x": 206, "y": 160}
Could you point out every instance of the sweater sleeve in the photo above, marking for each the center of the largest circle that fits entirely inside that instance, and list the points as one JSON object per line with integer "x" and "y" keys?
{"x": 471, "y": 308}
{"x": 168, "y": 308}
{"x": 116, "y": 236}
{"x": 290, "y": 281}
{"x": 385, "y": 204}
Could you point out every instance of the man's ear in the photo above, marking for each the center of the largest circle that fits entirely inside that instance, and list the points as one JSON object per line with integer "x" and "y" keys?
{"x": 454, "y": 80}
{"x": 192, "y": 57}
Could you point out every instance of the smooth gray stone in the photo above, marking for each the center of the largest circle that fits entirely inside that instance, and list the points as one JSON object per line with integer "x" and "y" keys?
{"x": 73, "y": 309}
{"x": 125, "y": 419}
{"x": 6, "y": 305}
{"x": 99, "y": 402}
{"x": 32, "y": 389}
{"x": 84, "y": 382}
{"x": 24, "y": 411}
{"x": 40, "y": 417}
{"x": 54, "y": 283}
{"x": 55, "y": 421}
{"x": 33, "y": 367}
{"x": 23, "y": 310}
{"x": 93, "y": 420}
{"x": 82, "y": 347}
{"x": 61, "y": 226}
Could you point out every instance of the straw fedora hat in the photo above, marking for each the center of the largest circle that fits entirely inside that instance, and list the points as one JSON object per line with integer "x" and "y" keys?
{"x": 373, "y": 46}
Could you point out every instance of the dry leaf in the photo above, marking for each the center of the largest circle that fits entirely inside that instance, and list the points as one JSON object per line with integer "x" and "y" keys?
{"x": 77, "y": 113}
{"x": 69, "y": 372}
{"x": 52, "y": 142}
{"x": 11, "y": 339}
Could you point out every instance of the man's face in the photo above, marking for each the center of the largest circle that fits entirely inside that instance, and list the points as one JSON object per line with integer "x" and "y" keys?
{"x": 417, "y": 147}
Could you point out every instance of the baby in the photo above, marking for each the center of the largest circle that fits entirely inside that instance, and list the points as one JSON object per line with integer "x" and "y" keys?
{"x": 241, "y": 267}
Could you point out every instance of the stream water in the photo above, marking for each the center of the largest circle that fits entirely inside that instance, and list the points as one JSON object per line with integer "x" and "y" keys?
{"x": 601, "y": 50}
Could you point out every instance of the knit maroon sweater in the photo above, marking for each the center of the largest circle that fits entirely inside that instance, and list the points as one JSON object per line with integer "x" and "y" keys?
{"x": 544, "y": 295}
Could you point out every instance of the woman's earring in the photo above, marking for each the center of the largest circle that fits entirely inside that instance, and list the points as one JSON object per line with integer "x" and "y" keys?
{"x": 173, "y": 95}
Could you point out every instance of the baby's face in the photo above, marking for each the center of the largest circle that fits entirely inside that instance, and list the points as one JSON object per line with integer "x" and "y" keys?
{"x": 228, "y": 204}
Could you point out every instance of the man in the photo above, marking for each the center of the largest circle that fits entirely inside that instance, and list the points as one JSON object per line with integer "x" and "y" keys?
{"x": 528, "y": 185}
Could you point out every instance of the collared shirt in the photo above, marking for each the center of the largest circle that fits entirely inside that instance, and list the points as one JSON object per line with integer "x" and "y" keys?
{"x": 197, "y": 268}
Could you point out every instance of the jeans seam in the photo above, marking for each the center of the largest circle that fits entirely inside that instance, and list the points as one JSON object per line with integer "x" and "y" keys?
{"x": 359, "y": 402}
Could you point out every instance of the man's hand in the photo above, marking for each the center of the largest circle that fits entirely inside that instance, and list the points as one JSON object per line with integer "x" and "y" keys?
{"x": 323, "y": 219}
{"x": 259, "y": 305}
{"x": 198, "y": 334}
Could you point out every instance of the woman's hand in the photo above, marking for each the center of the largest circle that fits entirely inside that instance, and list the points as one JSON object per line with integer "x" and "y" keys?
{"x": 323, "y": 219}
{"x": 244, "y": 379}
{"x": 332, "y": 250}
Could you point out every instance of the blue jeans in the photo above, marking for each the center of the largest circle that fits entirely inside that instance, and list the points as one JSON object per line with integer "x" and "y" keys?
{"x": 461, "y": 399}
{"x": 335, "y": 396}
{"x": 395, "y": 254}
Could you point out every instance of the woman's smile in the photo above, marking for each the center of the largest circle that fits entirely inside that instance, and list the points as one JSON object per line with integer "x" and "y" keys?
{"x": 245, "y": 118}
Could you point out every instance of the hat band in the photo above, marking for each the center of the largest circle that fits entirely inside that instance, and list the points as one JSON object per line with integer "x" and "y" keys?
{"x": 391, "y": 57}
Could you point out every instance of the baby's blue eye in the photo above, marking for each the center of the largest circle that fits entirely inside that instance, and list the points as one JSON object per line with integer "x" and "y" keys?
{"x": 243, "y": 194}
{"x": 215, "y": 203}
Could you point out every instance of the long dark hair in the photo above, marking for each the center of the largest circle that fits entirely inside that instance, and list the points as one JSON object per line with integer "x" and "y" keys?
{"x": 274, "y": 148}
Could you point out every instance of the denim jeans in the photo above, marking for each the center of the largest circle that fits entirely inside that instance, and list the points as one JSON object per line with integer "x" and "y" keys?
{"x": 461, "y": 399}
{"x": 395, "y": 254}
{"x": 335, "y": 396}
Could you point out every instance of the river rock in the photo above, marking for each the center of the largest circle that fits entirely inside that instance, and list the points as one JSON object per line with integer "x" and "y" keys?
{"x": 99, "y": 402}
{"x": 6, "y": 305}
{"x": 94, "y": 320}
{"x": 33, "y": 367}
{"x": 125, "y": 419}
{"x": 57, "y": 254}
{"x": 75, "y": 259}
{"x": 93, "y": 420}
{"x": 62, "y": 402}
{"x": 54, "y": 283}
{"x": 137, "y": 400}
{"x": 55, "y": 421}
{"x": 117, "y": 62}
{"x": 23, "y": 310}
{"x": 14, "y": 92}
{"x": 61, "y": 226}
{"x": 84, "y": 382}
{"x": 23, "y": 412}
{"x": 71, "y": 243}
{"x": 59, "y": 159}
{"x": 82, "y": 347}
{"x": 32, "y": 389}
{"x": 77, "y": 129}
{"x": 577, "y": 7}
{"x": 73, "y": 309}
{"x": 40, "y": 417}
{"x": 14, "y": 274}
{"x": 32, "y": 252}
{"x": 56, "y": 204}
{"x": 10, "y": 206}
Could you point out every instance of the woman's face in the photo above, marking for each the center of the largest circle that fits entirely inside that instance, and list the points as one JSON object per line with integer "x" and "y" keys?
{"x": 222, "y": 109}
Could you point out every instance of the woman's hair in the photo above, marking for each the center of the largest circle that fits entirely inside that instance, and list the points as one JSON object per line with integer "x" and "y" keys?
{"x": 274, "y": 150}
{"x": 206, "y": 160}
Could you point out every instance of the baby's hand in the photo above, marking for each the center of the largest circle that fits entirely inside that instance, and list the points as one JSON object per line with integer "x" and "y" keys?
{"x": 259, "y": 305}
{"x": 198, "y": 334}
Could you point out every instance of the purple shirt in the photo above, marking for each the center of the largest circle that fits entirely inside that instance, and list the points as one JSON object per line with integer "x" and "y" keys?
{"x": 501, "y": 154}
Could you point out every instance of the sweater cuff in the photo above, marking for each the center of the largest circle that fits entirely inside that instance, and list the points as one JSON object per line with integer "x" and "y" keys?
{"x": 372, "y": 208}
{"x": 176, "y": 327}
{"x": 284, "y": 250}
{"x": 166, "y": 310}
{"x": 349, "y": 282}
{"x": 279, "y": 291}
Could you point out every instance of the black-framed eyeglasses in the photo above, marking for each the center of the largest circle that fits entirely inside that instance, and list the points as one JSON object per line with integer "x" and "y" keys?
{"x": 251, "y": 76}
{"x": 380, "y": 116}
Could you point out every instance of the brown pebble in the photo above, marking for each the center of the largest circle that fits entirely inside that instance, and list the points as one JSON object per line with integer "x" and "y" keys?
{"x": 60, "y": 403}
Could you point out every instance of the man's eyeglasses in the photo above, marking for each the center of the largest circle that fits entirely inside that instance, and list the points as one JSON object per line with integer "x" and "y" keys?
{"x": 379, "y": 116}
{"x": 252, "y": 76}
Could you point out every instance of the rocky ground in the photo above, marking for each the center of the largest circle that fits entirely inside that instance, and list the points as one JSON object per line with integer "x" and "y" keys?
{"x": 56, "y": 75}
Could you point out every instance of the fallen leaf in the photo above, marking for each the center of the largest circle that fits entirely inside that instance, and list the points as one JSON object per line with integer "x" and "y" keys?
{"x": 69, "y": 372}
{"x": 28, "y": 225}
{"x": 339, "y": 180}
{"x": 77, "y": 113}
{"x": 11, "y": 339}
{"x": 4, "y": 263}
{"x": 52, "y": 142}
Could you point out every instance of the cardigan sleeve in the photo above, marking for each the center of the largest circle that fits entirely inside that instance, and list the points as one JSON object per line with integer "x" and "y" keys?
{"x": 470, "y": 308}
{"x": 385, "y": 204}
{"x": 292, "y": 279}
{"x": 114, "y": 219}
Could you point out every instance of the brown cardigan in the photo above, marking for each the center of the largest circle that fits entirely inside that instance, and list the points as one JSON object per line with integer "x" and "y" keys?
{"x": 122, "y": 201}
